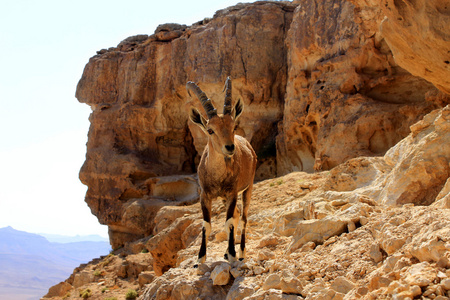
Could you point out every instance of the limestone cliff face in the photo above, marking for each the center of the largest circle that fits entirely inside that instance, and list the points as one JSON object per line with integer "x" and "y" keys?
{"x": 319, "y": 82}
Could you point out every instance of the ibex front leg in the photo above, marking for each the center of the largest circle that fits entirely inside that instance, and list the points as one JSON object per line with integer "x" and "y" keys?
{"x": 206, "y": 230}
{"x": 246, "y": 196}
{"x": 231, "y": 227}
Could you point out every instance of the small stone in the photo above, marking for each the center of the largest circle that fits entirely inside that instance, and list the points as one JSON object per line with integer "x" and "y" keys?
{"x": 415, "y": 290}
{"x": 146, "y": 277}
{"x": 235, "y": 272}
{"x": 202, "y": 269}
{"x": 440, "y": 290}
{"x": 377, "y": 282}
{"x": 367, "y": 200}
{"x": 290, "y": 284}
{"x": 394, "y": 287}
{"x": 308, "y": 247}
{"x": 238, "y": 291}
{"x": 265, "y": 254}
{"x": 82, "y": 278}
{"x": 443, "y": 262}
{"x": 342, "y": 285}
{"x": 351, "y": 226}
{"x": 375, "y": 253}
{"x": 270, "y": 240}
{"x": 420, "y": 274}
{"x": 391, "y": 245}
{"x": 363, "y": 220}
{"x": 221, "y": 274}
{"x": 339, "y": 202}
{"x": 446, "y": 284}
{"x": 405, "y": 295}
{"x": 273, "y": 281}
{"x": 258, "y": 270}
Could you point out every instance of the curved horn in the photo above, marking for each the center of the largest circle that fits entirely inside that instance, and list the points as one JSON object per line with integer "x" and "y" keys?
{"x": 227, "y": 101}
{"x": 206, "y": 103}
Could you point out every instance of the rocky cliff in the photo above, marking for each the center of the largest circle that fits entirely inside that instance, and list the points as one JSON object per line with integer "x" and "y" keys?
{"x": 319, "y": 82}
{"x": 354, "y": 87}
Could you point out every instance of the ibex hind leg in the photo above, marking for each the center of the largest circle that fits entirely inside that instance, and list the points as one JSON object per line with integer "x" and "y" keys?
{"x": 246, "y": 196}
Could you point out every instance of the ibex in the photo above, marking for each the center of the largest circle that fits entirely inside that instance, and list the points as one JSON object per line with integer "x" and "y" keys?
{"x": 226, "y": 169}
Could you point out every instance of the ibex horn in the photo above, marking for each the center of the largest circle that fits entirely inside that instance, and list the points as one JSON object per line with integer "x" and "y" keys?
{"x": 206, "y": 103}
{"x": 227, "y": 102}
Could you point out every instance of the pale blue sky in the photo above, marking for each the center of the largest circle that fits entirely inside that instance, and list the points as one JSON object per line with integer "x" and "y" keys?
{"x": 44, "y": 46}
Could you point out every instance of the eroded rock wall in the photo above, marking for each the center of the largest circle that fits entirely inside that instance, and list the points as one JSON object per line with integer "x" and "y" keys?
{"x": 346, "y": 96}
{"x": 319, "y": 83}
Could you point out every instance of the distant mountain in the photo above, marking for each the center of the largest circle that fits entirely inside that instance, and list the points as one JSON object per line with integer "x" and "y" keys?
{"x": 55, "y": 238}
{"x": 30, "y": 264}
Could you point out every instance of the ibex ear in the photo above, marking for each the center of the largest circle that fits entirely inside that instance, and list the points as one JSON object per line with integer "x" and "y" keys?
{"x": 237, "y": 110}
{"x": 197, "y": 118}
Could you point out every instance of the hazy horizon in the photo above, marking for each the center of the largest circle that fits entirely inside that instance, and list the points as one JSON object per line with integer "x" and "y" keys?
{"x": 45, "y": 47}
{"x": 59, "y": 238}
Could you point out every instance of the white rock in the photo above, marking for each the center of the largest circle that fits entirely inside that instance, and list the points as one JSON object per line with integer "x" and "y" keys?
{"x": 273, "y": 281}
{"x": 221, "y": 274}
{"x": 342, "y": 285}
{"x": 421, "y": 274}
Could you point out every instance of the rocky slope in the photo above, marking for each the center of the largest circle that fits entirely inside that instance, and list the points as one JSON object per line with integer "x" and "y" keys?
{"x": 354, "y": 90}
{"x": 319, "y": 81}
{"x": 329, "y": 235}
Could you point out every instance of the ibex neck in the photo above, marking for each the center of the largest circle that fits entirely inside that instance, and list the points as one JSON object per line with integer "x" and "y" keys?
{"x": 218, "y": 163}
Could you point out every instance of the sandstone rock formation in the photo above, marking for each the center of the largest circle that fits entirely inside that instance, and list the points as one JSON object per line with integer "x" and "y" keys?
{"x": 319, "y": 82}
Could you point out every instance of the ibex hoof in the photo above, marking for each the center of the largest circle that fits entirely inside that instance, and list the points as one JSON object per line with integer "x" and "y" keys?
{"x": 230, "y": 258}
{"x": 195, "y": 266}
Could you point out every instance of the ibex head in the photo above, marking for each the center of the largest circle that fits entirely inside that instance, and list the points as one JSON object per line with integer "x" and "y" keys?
{"x": 219, "y": 127}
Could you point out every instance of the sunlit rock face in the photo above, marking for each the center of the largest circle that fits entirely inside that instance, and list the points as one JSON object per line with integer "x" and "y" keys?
{"x": 346, "y": 96}
{"x": 319, "y": 82}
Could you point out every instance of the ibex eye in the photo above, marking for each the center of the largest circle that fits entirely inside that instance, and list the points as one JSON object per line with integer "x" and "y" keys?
{"x": 210, "y": 131}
